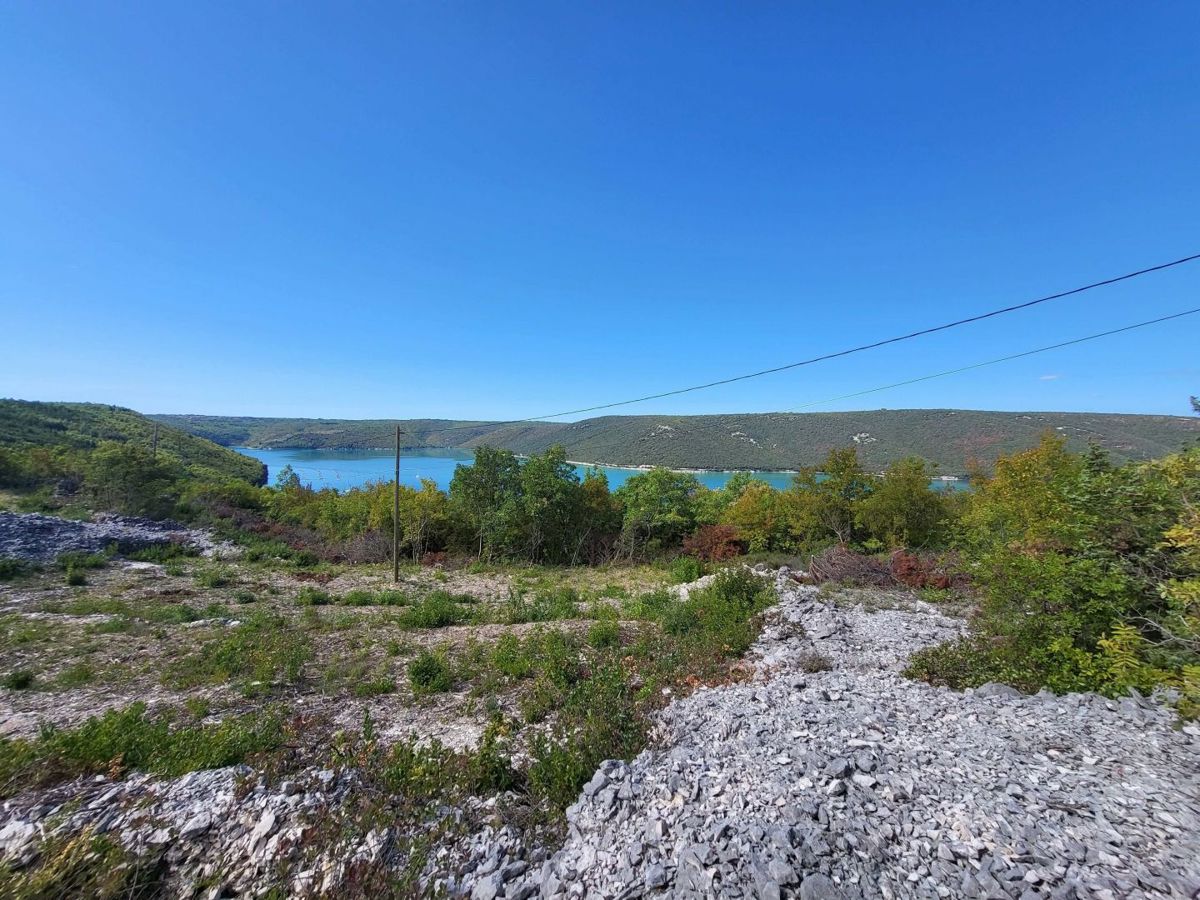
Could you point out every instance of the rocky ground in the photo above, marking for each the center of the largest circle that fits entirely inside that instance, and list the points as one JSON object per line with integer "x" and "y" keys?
{"x": 826, "y": 775}
{"x": 39, "y": 538}
{"x": 856, "y": 782}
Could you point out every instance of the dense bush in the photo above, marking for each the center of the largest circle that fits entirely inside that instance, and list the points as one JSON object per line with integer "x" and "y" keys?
{"x": 1087, "y": 572}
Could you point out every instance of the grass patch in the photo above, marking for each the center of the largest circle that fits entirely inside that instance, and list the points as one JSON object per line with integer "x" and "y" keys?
{"x": 84, "y": 864}
{"x": 548, "y": 606}
{"x": 312, "y": 596}
{"x": 161, "y": 553}
{"x": 260, "y": 654}
{"x": 76, "y": 675}
{"x": 438, "y": 609}
{"x": 214, "y": 577}
{"x": 604, "y": 634}
{"x": 78, "y": 561}
{"x": 132, "y": 739}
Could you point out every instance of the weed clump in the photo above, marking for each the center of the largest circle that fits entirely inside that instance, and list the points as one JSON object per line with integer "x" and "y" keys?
{"x": 18, "y": 680}
{"x": 430, "y": 673}
{"x": 311, "y": 596}
{"x": 437, "y": 610}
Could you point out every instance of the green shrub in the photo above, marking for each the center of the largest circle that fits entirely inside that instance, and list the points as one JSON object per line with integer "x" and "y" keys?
{"x": 392, "y": 597}
{"x": 84, "y": 864}
{"x": 214, "y": 577}
{"x": 430, "y": 673}
{"x": 358, "y": 598}
{"x": 1082, "y": 570}
{"x": 436, "y": 610}
{"x": 604, "y": 634}
{"x": 12, "y": 568}
{"x": 78, "y": 560}
{"x": 161, "y": 553}
{"x": 509, "y": 657}
{"x": 245, "y": 597}
{"x": 76, "y": 578}
{"x": 599, "y": 721}
{"x": 717, "y": 621}
{"x": 541, "y": 698}
{"x": 311, "y": 596}
{"x": 685, "y": 569}
{"x": 18, "y": 680}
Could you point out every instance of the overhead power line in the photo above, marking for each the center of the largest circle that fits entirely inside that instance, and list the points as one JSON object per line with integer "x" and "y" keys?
{"x": 992, "y": 362}
{"x": 534, "y": 420}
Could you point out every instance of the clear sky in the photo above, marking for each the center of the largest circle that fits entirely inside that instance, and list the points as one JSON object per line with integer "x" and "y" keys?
{"x": 500, "y": 210}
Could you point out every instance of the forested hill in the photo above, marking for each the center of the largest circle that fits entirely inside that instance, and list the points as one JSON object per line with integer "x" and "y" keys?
{"x": 950, "y": 438}
{"x": 82, "y": 426}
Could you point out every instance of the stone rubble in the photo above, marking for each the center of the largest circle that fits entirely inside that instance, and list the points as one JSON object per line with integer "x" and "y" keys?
{"x": 40, "y": 538}
{"x": 857, "y": 782}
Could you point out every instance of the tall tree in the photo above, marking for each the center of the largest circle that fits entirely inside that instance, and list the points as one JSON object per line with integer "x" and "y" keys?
{"x": 483, "y": 494}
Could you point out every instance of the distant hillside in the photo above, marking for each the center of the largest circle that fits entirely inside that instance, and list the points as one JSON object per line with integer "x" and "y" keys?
{"x": 84, "y": 425}
{"x": 950, "y": 438}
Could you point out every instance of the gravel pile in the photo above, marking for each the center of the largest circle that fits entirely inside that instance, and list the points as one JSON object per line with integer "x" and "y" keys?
{"x": 41, "y": 539}
{"x": 857, "y": 782}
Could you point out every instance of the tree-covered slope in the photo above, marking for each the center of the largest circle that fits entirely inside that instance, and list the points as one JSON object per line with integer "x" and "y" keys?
{"x": 82, "y": 426}
{"x": 952, "y": 439}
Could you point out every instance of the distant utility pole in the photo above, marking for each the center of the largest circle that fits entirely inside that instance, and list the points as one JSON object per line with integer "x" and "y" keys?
{"x": 396, "y": 515}
{"x": 154, "y": 449}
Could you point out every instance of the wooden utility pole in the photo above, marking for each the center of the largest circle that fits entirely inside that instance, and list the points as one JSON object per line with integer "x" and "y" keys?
{"x": 396, "y": 515}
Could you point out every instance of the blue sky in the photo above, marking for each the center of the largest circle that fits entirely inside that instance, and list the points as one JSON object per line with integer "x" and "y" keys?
{"x": 502, "y": 210}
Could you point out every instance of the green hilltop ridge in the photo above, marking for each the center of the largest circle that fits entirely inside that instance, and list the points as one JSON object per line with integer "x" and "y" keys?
{"x": 952, "y": 439}
{"x": 83, "y": 426}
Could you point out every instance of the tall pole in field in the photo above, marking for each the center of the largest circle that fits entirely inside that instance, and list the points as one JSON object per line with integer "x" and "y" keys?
{"x": 396, "y": 515}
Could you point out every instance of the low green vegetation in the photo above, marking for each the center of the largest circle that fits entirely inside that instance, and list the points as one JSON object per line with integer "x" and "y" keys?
{"x": 430, "y": 673}
{"x": 437, "y": 609}
{"x": 12, "y": 568}
{"x": 132, "y": 739}
{"x": 85, "y": 864}
{"x": 263, "y": 653}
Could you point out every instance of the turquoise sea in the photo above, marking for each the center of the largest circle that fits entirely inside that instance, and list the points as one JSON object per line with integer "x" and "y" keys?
{"x": 344, "y": 469}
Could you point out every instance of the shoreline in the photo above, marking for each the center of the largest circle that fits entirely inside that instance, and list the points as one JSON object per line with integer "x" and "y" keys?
{"x": 688, "y": 470}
